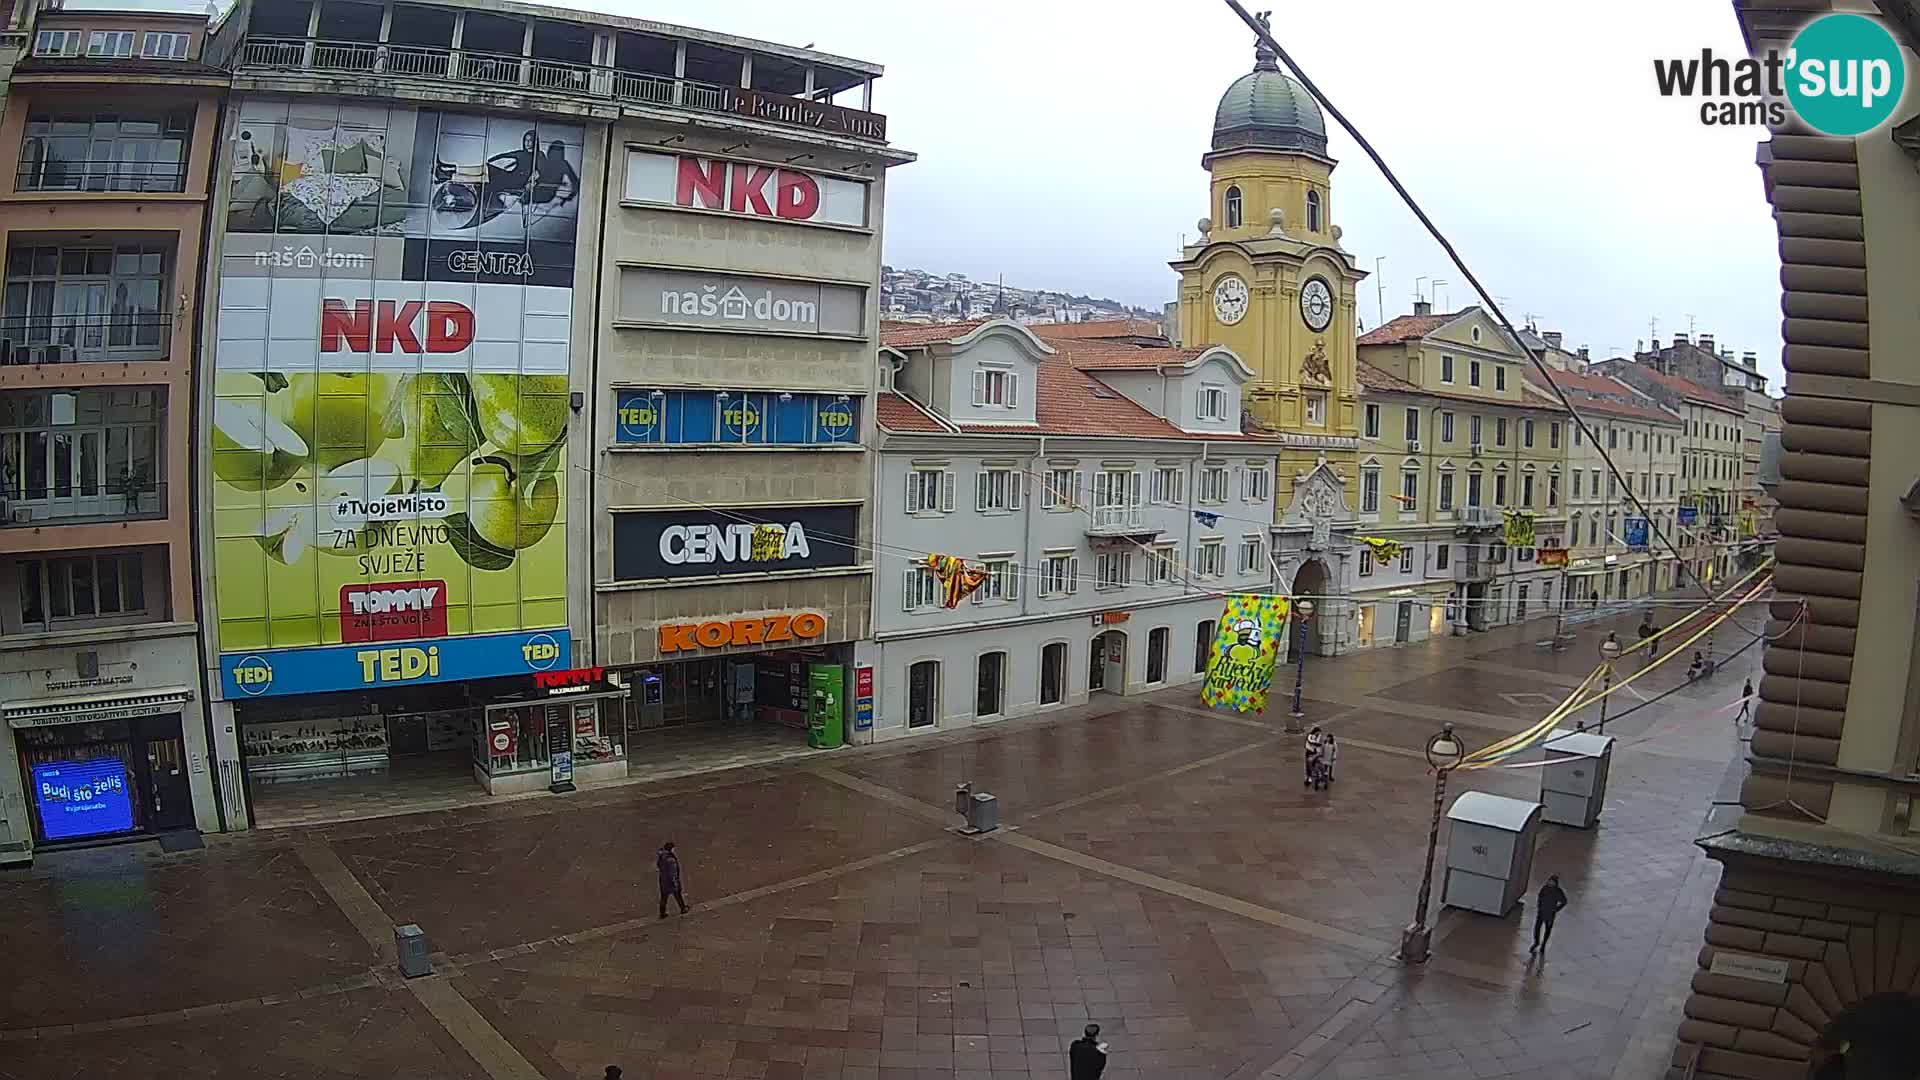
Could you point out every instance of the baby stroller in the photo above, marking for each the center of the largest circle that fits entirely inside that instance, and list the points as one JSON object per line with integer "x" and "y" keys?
{"x": 1319, "y": 769}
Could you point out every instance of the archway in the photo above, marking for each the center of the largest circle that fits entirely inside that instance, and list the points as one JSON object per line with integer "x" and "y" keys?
{"x": 1107, "y": 663}
{"x": 1310, "y": 582}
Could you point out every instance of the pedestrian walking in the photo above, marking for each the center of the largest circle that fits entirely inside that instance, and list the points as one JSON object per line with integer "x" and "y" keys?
{"x": 668, "y": 864}
{"x": 1546, "y": 909}
{"x": 1330, "y": 752}
{"x": 1650, "y": 634}
{"x": 1746, "y": 705}
{"x": 1314, "y": 739}
{"x": 1087, "y": 1056}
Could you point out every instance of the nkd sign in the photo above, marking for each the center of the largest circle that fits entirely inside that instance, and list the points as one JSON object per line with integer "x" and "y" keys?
{"x": 744, "y": 187}
{"x": 731, "y": 302}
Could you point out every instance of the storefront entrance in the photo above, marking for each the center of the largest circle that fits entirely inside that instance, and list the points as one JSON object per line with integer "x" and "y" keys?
{"x": 95, "y": 780}
{"x": 1107, "y": 663}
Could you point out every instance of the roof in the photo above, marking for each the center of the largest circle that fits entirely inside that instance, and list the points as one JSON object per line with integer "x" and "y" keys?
{"x": 1098, "y": 355}
{"x": 1067, "y": 402}
{"x": 897, "y": 413}
{"x": 909, "y": 335}
{"x": 1373, "y": 378}
{"x": 1407, "y": 327}
{"x": 1097, "y": 328}
{"x": 1675, "y": 384}
{"x": 1264, "y": 108}
{"x": 1610, "y": 396}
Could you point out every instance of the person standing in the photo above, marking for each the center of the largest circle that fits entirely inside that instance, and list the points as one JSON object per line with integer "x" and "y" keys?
{"x": 1330, "y": 754}
{"x": 1651, "y": 635}
{"x": 668, "y": 864}
{"x": 1314, "y": 739}
{"x": 1547, "y": 907}
{"x": 1746, "y": 704}
{"x": 1087, "y": 1056}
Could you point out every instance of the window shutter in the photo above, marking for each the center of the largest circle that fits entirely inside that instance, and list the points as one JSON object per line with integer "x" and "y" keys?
{"x": 1133, "y": 496}
{"x": 1013, "y": 389}
{"x": 1073, "y": 575}
{"x": 908, "y": 588}
{"x": 980, "y": 490}
{"x": 1016, "y": 486}
{"x": 913, "y": 492}
{"x": 946, "y": 490}
{"x": 979, "y": 387}
{"x": 980, "y": 594}
{"x": 1079, "y": 491}
{"x": 1240, "y": 472}
{"x": 1012, "y": 589}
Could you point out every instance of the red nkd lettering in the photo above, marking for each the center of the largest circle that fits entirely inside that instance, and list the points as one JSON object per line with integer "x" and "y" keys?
{"x": 748, "y": 193}
{"x": 389, "y": 326}
{"x": 798, "y": 197}
{"x": 701, "y": 184}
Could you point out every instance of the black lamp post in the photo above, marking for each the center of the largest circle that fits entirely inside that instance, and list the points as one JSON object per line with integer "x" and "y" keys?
{"x": 1609, "y": 652}
{"x": 1302, "y": 611}
{"x": 1444, "y": 752}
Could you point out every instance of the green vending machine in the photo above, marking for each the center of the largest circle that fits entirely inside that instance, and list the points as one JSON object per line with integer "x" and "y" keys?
{"x": 826, "y": 706}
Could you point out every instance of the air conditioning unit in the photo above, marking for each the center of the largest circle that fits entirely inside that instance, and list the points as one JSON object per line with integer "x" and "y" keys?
{"x": 1475, "y": 449}
{"x": 1413, "y": 446}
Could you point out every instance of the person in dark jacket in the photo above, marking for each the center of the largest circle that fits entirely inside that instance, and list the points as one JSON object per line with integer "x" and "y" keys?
{"x": 614, "y": 1072}
{"x": 1546, "y": 909}
{"x": 668, "y": 864}
{"x": 1651, "y": 635}
{"x": 1087, "y": 1057}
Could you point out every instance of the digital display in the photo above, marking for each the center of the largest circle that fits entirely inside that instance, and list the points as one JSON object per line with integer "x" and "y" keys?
{"x": 83, "y": 798}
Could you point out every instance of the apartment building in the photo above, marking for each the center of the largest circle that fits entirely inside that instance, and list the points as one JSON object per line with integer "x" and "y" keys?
{"x": 1701, "y": 360}
{"x": 1107, "y": 493}
{"x": 107, "y": 144}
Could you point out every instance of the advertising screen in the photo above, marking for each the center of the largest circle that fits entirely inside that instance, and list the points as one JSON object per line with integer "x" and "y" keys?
{"x": 83, "y": 798}
{"x": 389, "y": 428}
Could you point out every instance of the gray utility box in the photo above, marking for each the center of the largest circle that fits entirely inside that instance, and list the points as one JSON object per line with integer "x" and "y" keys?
{"x": 1489, "y": 852}
{"x": 411, "y": 943}
{"x": 1573, "y": 783}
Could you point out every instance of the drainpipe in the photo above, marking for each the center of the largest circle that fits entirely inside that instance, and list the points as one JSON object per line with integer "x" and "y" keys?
{"x": 1026, "y": 532}
{"x": 1192, "y": 493}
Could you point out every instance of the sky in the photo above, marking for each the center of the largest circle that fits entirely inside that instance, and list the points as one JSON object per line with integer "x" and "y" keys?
{"x": 1059, "y": 144}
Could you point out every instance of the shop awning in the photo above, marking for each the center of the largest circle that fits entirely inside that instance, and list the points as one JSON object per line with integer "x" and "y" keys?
{"x": 95, "y": 708}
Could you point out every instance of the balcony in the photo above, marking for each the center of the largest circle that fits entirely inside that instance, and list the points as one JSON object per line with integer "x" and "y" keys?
{"x": 115, "y": 177}
{"x": 85, "y": 339}
{"x": 1115, "y": 522}
{"x": 466, "y": 68}
{"x": 82, "y": 504}
{"x": 1472, "y": 564}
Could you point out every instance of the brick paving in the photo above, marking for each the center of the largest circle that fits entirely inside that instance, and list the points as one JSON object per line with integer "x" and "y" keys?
{"x": 1163, "y": 872}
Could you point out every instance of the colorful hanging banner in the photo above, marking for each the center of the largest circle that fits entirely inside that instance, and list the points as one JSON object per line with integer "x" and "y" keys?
{"x": 1384, "y": 551}
{"x": 1519, "y": 528}
{"x": 1245, "y": 649}
{"x": 1552, "y": 556}
{"x": 957, "y": 580}
{"x": 1689, "y": 514}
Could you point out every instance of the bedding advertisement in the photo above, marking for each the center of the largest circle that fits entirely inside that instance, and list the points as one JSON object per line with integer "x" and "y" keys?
{"x": 389, "y": 430}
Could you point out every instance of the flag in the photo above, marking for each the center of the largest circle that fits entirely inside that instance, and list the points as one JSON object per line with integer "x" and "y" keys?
{"x": 1519, "y": 528}
{"x": 1246, "y": 646}
{"x": 1205, "y": 518}
{"x": 1384, "y": 551}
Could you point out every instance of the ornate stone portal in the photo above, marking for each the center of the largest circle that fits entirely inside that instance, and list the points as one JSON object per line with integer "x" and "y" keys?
{"x": 1318, "y": 525}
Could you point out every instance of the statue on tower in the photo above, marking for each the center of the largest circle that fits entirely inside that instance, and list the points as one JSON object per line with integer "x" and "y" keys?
{"x": 1314, "y": 365}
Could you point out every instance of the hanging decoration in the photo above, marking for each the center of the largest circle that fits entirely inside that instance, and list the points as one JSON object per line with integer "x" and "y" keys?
{"x": 1245, "y": 649}
{"x": 1206, "y": 518}
{"x": 957, "y": 580}
{"x": 1384, "y": 550}
{"x": 769, "y": 543}
{"x": 1636, "y": 528}
{"x": 1689, "y": 514}
{"x": 1519, "y": 528}
{"x": 1552, "y": 556}
{"x": 1749, "y": 527}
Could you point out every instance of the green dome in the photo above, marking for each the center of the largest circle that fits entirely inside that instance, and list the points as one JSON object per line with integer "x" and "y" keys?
{"x": 1265, "y": 109}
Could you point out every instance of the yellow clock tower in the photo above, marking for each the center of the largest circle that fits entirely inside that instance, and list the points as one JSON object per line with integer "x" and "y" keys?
{"x": 1268, "y": 278}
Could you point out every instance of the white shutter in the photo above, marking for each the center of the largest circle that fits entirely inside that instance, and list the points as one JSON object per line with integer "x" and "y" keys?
{"x": 1133, "y": 495}
{"x": 979, "y": 387}
{"x": 1013, "y": 389}
{"x": 913, "y": 491}
{"x": 980, "y": 490}
{"x": 946, "y": 491}
{"x": 1012, "y": 590}
{"x": 1079, "y": 490}
{"x": 1240, "y": 471}
{"x": 907, "y": 588}
{"x": 1073, "y": 575}
{"x": 1016, "y": 486}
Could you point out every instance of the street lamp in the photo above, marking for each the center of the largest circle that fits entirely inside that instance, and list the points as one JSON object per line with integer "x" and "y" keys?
{"x": 1609, "y": 652}
{"x": 1302, "y": 611}
{"x": 1444, "y": 752}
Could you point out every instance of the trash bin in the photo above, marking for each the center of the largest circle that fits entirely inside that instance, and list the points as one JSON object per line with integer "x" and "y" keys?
{"x": 1489, "y": 852}
{"x": 1573, "y": 783}
{"x": 411, "y": 943}
{"x": 984, "y": 813}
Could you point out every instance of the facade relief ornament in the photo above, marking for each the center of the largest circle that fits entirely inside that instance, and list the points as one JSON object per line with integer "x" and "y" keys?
{"x": 1314, "y": 365}
{"x": 1319, "y": 500}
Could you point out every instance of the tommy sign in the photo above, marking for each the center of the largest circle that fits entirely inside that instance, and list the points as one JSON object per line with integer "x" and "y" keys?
{"x": 746, "y": 188}
{"x": 731, "y": 302}
{"x": 699, "y": 543}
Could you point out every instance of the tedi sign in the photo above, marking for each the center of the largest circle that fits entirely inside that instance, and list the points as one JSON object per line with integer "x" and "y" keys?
{"x": 698, "y": 543}
{"x": 1843, "y": 75}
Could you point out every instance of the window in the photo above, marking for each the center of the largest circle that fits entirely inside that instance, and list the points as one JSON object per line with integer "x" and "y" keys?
{"x": 110, "y": 43}
{"x": 1313, "y": 211}
{"x": 89, "y": 303}
{"x": 1370, "y": 491}
{"x": 996, "y": 489}
{"x": 1553, "y": 436}
{"x": 1366, "y": 561}
{"x": 1169, "y": 485}
{"x": 1442, "y": 555}
{"x": 1446, "y": 427}
{"x": 1203, "y": 635}
{"x": 1413, "y": 425}
{"x": 1316, "y": 408}
{"x": 81, "y": 587}
{"x": 921, "y": 591}
{"x": 1446, "y": 491}
{"x": 1576, "y": 483}
{"x": 1213, "y": 484}
{"x": 1613, "y": 438}
{"x": 1210, "y": 558}
{"x": 57, "y": 43}
{"x": 990, "y": 684}
{"x": 1157, "y": 654}
{"x": 1473, "y": 489}
{"x": 1473, "y": 373}
{"x": 1499, "y": 489}
{"x": 1499, "y": 431}
{"x": 1594, "y": 474}
{"x": 1406, "y": 558}
{"x": 1409, "y": 491}
{"x": 1473, "y": 430}
{"x": 1371, "y": 413}
{"x": 1162, "y": 562}
{"x": 1613, "y": 485}
{"x": 1213, "y": 403}
{"x": 1059, "y": 574}
{"x": 1499, "y": 377}
{"x": 1235, "y": 209}
{"x": 1003, "y": 579}
{"x": 1113, "y": 570}
{"x": 1053, "y": 673}
{"x": 1526, "y": 489}
{"x": 1577, "y": 441}
{"x": 1256, "y": 483}
{"x": 81, "y": 453}
{"x": 1526, "y": 433}
{"x": 1593, "y": 530}
{"x": 1553, "y": 489}
{"x": 1253, "y": 554}
{"x": 158, "y": 46}
{"x": 996, "y": 388}
{"x": 929, "y": 491}
{"x": 1446, "y": 368}
{"x": 1116, "y": 497}
{"x": 1063, "y": 489}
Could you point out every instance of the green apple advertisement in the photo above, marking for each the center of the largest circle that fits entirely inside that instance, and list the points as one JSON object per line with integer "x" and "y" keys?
{"x": 391, "y": 399}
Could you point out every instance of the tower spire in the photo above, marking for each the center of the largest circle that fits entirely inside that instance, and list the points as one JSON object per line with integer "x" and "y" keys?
{"x": 1264, "y": 58}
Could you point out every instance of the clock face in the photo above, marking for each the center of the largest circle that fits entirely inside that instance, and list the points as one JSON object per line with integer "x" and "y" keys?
{"x": 1316, "y": 304}
{"x": 1230, "y": 299}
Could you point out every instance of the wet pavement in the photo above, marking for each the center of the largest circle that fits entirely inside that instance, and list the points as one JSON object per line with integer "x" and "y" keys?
{"x": 1162, "y": 871}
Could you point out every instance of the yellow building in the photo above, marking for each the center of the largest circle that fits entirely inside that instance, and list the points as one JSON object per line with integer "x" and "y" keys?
{"x": 1268, "y": 279}
{"x": 1461, "y": 467}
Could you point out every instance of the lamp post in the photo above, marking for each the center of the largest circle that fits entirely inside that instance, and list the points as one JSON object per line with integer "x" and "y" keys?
{"x": 1609, "y": 652}
{"x": 1302, "y": 611}
{"x": 1444, "y": 752}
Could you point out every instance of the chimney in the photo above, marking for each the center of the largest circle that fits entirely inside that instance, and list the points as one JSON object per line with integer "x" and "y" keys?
{"x": 1553, "y": 338}
{"x": 1750, "y": 361}
{"x": 1679, "y": 339}
{"x": 1706, "y": 343}
{"x": 1584, "y": 357}
{"x": 1656, "y": 345}
{"x": 1423, "y": 307}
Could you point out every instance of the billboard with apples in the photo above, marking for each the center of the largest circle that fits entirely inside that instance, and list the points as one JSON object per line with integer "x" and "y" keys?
{"x": 391, "y": 395}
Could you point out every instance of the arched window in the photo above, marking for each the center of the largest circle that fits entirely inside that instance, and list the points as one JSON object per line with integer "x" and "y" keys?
{"x": 1313, "y": 211}
{"x": 1234, "y": 215}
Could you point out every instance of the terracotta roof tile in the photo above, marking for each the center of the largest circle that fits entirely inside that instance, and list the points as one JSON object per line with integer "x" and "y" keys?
{"x": 1675, "y": 384}
{"x": 1380, "y": 381}
{"x": 1094, "y": 355}
{"x": 1375, "y": 379}
{"x": 1605, "y": 395}
{"x": 908, "y": 335}
{"x": 1097, "y": 329}
{"x": 1407, "y": 327}
{"x": 1069, "y": 402}
{"x": 896, "y": 413}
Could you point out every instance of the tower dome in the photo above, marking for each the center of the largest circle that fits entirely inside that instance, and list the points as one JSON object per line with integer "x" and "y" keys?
{"x": 1266, "y": 110}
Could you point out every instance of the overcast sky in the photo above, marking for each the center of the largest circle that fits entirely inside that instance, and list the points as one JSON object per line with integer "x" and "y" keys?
{"x": 1060, "y": 143}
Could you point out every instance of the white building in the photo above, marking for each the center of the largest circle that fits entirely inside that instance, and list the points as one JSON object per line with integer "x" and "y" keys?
{"x": 1109, "y": 493}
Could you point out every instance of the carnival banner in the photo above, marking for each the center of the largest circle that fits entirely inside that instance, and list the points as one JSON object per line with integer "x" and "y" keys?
{"x": 1552, "y": 556}
{"x": 1245, "y": 649}
{"x": 1519, "y": 528}
{"x": 1384, "y": 550}
{"x": 1636, "y": 534}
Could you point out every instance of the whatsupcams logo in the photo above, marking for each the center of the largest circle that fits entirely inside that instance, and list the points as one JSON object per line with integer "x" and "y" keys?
{"x": 1843, "y": 75}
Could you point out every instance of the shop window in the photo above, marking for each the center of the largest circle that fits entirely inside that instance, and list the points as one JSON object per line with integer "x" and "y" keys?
{"x": 1157, "y": 654}
{"x": 735, "y": 418}
{"x": 1203, "y": 645}
{"x": 923, "y": 694}
{"x": 991, "y": 685}
{"x": 1053, "y": 673}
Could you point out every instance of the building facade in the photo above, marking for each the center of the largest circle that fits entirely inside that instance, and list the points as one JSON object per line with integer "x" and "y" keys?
{"x": 1814, "y": 925}
{"x": 106, "y": 149}
{"x": 1462, "y": 469}
{"x": 1107, "y": 492}
{"x": 1701, "y": 361}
